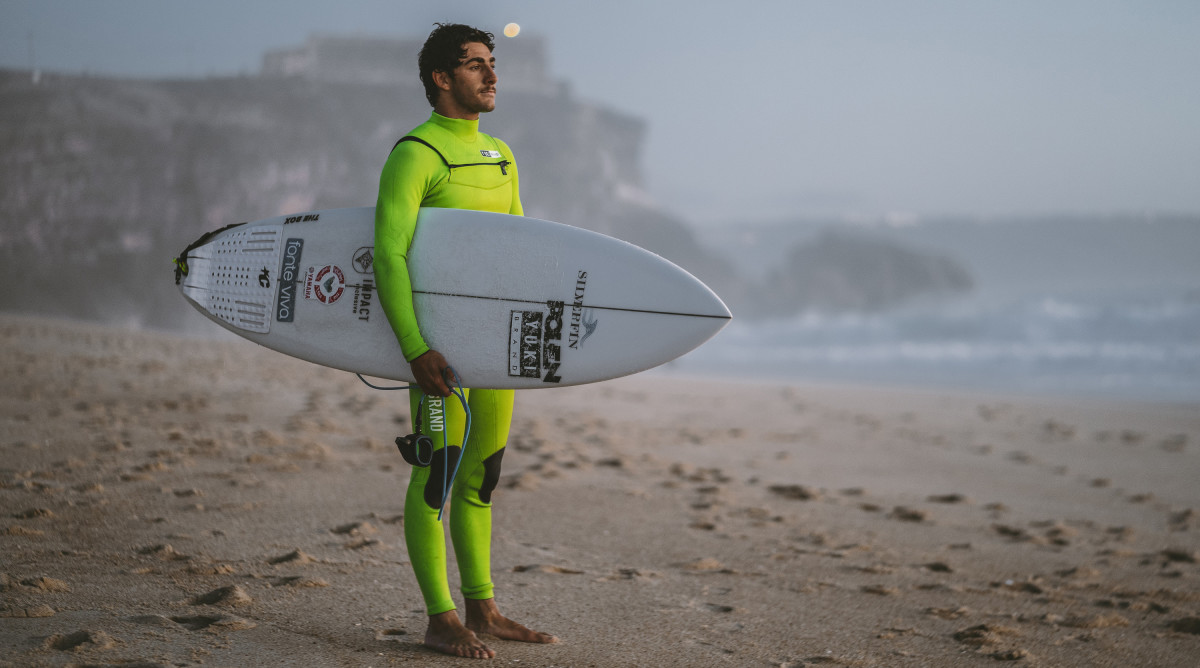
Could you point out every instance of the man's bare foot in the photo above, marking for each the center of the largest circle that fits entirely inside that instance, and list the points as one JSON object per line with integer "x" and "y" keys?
{"x": 447, "y": 635}
{"x": 484, "y": 617}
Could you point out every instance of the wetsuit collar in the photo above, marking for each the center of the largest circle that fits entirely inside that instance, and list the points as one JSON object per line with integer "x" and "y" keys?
{"x": 465, "y": 130}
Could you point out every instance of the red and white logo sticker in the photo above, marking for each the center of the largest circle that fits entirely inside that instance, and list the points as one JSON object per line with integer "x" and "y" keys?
{"x": 328, "y": 284}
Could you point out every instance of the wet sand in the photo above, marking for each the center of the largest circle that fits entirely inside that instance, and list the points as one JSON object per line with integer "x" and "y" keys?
{"x": 174, "y": 502}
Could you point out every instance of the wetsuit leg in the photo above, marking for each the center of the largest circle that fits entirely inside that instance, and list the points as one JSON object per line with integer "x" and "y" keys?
{"x": 423, "y": 533}
{"x": 470, "y": 511}
{"x": 471, "y": 516}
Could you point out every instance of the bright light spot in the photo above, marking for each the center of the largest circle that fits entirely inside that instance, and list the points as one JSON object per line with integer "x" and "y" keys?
{"x": 511, "y": 30}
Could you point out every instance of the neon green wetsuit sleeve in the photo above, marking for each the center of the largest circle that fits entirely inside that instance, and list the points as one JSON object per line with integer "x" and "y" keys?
{"x": 410, "y": 172}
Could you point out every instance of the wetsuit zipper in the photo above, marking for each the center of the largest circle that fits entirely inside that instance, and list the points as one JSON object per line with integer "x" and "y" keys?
{"x": 503, "y": 164}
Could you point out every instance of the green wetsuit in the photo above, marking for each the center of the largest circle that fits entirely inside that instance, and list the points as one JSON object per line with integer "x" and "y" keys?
{"x": 446, "y": 163}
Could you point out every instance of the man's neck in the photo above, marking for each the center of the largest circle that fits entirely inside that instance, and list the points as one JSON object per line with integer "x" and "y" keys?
{"x": 464, "y": 128}
{"x": 450, "y": 110}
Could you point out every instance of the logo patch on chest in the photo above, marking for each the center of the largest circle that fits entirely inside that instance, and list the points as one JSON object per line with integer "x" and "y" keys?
{"x": 491, "y": 154}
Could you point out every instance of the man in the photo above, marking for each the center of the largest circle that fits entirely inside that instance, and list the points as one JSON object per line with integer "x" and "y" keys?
{"x": 447, "y": 162}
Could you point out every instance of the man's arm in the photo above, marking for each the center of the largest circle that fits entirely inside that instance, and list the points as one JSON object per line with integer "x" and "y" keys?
{"x": 408, "y": 174}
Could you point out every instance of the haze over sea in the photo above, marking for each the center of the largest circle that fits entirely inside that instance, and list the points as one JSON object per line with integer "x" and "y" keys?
{"x": 1069, "y": 305}
{"x": 1142, "y": 347}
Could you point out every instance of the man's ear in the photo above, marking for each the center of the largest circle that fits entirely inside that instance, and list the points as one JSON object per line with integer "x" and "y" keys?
{"x": 441, "y": 79}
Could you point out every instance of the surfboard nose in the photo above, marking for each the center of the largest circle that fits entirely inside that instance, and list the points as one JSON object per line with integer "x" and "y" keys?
{"x": 229, "y": 275}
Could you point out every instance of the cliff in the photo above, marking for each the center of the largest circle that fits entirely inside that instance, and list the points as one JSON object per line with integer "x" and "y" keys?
{"x": 103, "y": 181}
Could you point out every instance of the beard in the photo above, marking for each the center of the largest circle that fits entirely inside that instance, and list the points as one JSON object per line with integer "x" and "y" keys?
{"x": 474, "y": 100}
{"x": 477, "y": 103}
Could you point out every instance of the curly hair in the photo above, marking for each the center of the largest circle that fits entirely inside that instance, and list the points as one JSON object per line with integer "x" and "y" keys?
{"x": 443, "y": 50}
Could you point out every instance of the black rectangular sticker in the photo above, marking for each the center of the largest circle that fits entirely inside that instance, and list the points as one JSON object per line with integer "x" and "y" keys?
{"x": 285, "y": 298}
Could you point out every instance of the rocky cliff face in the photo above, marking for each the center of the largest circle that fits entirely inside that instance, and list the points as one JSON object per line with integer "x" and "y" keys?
{"x": 104, "y": 181}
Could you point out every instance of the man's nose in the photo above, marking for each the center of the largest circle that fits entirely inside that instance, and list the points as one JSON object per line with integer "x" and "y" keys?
{"x": 490, "y": 75}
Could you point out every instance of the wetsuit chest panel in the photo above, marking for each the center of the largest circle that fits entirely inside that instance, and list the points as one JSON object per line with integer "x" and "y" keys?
{"x": 479, "y": 175}
{"x": 476, "y": 194}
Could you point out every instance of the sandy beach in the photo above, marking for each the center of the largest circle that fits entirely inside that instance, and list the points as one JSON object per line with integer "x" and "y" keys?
{"x": 176, "y": 502}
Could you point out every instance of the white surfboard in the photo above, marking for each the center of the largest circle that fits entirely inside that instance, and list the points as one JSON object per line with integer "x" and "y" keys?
{"x": 511, "y": 302}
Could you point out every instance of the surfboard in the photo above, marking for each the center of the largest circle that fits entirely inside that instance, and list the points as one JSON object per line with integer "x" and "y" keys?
{"x": 510, "y": 301}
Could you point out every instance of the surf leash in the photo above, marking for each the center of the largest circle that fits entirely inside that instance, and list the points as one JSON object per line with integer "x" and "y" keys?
{"x": 456, "y": 388}
{"x": 448, "y": 483}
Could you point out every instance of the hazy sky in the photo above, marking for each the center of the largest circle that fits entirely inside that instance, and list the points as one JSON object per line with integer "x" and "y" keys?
{"x": 764, "y": 108}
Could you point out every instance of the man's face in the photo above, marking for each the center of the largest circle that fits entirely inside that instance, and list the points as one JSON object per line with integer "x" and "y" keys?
{"x": 473, "y": 83}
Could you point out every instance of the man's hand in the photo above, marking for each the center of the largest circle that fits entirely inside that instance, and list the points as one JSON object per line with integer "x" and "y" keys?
{"x": 429, "y": 370}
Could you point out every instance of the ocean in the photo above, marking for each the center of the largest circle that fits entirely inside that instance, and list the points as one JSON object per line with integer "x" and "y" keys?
{"x": 1139, "y": 347}
{"x": 1088, "y": 306}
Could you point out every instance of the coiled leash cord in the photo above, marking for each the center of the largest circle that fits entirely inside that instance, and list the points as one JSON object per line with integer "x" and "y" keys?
{"x": 455, "y": 382}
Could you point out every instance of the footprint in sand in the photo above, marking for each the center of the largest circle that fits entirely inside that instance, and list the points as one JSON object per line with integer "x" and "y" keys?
{"x": 1015, "y": 534}
{"x": 232, "y": 596}
{"x": 1185, "y": 625}
{"x": 355, "y": 529}
{"x": 45, "y": 584}
{"x": 705, "y": 565}
{"x": 948, "y": 613}
{"x": 1181, "y": 520}
{"x": 879, "y": 590}
{"x": 795, "y": 492}
{"x": 982, "y": 635}
{"x": 546, "y": 568}
{"x": 361, "y": 543}
{"x": 1095, "y": 621}
{"x": 80, "y": 640}
{"x": 164, "y": 552}
{"x": 293, "y": 557}
{"x": 34, "y": 513}
{"x": 32, "y": 611}
{"x": 948, "y": 498}
{"x": 212, "y": 623}
{"x": 299, "y": 582}
{"x": 1176, "y": 443}
{"x": 906, "y": 514}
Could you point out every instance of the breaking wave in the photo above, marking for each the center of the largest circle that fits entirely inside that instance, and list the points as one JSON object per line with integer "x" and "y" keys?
{"x": 1144, "y": 347}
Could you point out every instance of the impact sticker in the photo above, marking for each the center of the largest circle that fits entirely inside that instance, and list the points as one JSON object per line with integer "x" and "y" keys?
{"x": 364, "y": 260}
{"x": 362, "y": 300}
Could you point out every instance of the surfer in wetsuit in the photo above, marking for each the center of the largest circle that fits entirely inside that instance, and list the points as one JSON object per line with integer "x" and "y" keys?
{"x": 447, "y": 162}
